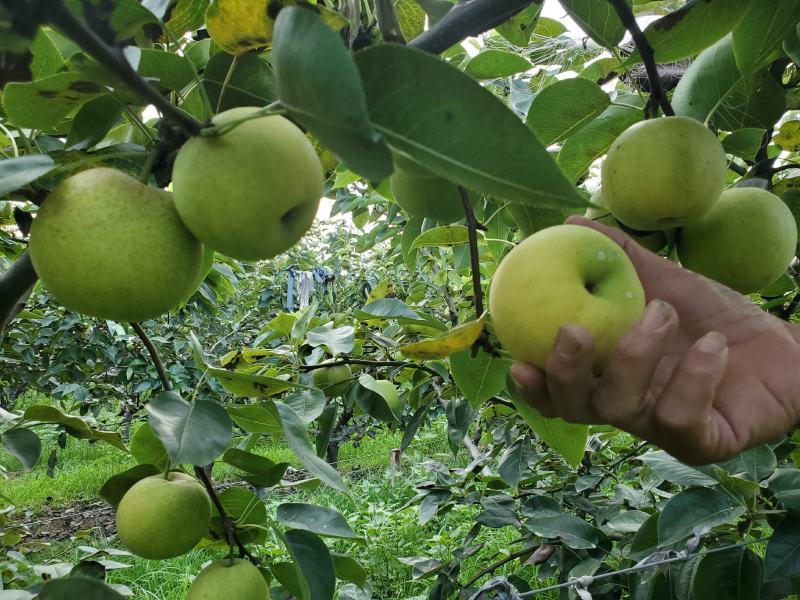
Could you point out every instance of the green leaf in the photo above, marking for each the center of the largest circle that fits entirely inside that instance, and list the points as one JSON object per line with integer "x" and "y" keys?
{"x": 493, "y": 63}
{"x": 598, "y": 19}
{"x": 307, "y": 404}
{"x": 386, "y": 390}
{"x": 194, "y": 433}
{"x": 70, "y": 588}
{"x": 147, "y": 449}
{"x": 246, "y": 509}
{"x": 479, "y": 378}
{"x": 74, "y": 426}
{"x": 446, "y": 235}
{"x": 247, "y": 461}
{"x": 573, "y": 531}
{"x": 186, "y": 16}
{"x": 44, "y": 104}
{"x": 666, "y": 467}
{"x": 745, "y": 143}
{"x": 257, "y": 418}
{"x": 313, "y": 559}
{"x": 24, "y": 445}
{"x": 785, "y": 484}
{"x": 783, "y": 550}
{"x": 518, "y": 29}
{"x": 251, "y": 83}
{"x": 19, "y": 172}
{"x": 348, "y": 569}
{"x": 93, "y": 121}
{"x": 296, "y": 436}
{"x": 388, "y": 308}
{"x": 757, "y": 463}
{"x": 568, "y": 439}
{"x": 562, "y": 108}
{"x": 708, "y": 81}
{"x": 692, "y": 28}
{"x": 759, "y": 36}
{"x": 117, "y": 486}
{"x": 515, "y": 461}
{"x": 433, "y": 112}
{"x": 734, "y": 575}
{"x": 410, "y": 17}
{"x": 318, "y": 519}
{"x": 338, "y": 341}
{"x": 320, "y": 86}
{"x": 410, "y": 233}
{"x": 594, "y": 139}
{"x": 50, "y": 51}
{"x": 164, "y": 69}
{"x": 249, "y": 385}
{"x": 694, "y": 509}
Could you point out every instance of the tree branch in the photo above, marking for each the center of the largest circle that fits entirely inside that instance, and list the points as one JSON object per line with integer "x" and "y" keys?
{"x": 472, "y": 228}
{"x": 657, "y": 92}
{"x": 227, "y": 523}
{"x": 112, "y": 58}
{"x": 492, "y": 568}
{"x": 370, "y": 363}
{"x": 151, "y": 349}
{"x": 465, "y": 19}
{"x": 14, "y": 285}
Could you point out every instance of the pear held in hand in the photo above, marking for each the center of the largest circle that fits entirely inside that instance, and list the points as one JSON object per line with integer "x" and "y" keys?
{"x": 163, "y": 517}
{"x": 109, "y": 246}
{"x": 250, "y": 193}
{"x": 663, "y": 173}
{"x": 229, "y": 579}
{"x": 745, "y": 242}
{"x": 561, "y": 275}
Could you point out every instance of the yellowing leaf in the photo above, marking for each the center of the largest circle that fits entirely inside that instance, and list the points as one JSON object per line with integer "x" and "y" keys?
{"x": 457, "y": 339}
{"x": 383, "y": 289}
{"x": 789, "y": 136}
{"x": 249, "y": 385}
{"x": 238, "y": 26}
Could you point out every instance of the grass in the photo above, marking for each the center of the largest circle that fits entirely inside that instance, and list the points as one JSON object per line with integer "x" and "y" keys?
{"x": 375, "y": 509}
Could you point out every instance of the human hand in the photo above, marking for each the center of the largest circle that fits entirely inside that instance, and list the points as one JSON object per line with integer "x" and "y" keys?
{"x": 705, "y": 374}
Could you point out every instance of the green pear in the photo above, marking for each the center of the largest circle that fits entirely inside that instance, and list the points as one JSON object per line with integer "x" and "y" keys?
{"x": 745, "y": 242}
{"x": 163, "y": 517}
{"x": 663, "y": 173}
{"x": 250, "y": 193}
{"x": 566, "y": 274}
{"x": 403, "y": 162}
{"x": 652, "y": 240}
{"x": 427, "y": 197}
{"x": 229, "y": 579}
{"x": 106, "y": 245}
{"x": 334, "y": 381}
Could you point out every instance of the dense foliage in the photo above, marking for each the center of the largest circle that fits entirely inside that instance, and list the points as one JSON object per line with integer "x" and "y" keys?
{"x": 515, "y": 121}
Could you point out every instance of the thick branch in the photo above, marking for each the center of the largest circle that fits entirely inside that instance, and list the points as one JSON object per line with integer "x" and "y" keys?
{"x": 465, "y": 19}
{"x": 14, "y": 285}
{"x": 113, "y": 59}
{"x": 151, "y": 349}
{"x": 657, "y": 92}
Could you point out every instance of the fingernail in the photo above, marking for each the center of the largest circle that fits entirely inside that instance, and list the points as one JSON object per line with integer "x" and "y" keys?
{"x": 567, "y": 344}
{"x": 712, "y": 343}
{"x": 656, "y": 315}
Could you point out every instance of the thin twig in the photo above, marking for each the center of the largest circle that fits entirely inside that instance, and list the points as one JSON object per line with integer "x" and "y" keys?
{"x": 113, "y": 58}
{"x": 151, "y": 349}
{"x": 472, "y": 228}
{"x": 369, "y": 363}
{"x": 228, "y": 526}
{"x": 657, "y": 92}
{"x": 493, "y": 567}
{"x": 452, "y": 310}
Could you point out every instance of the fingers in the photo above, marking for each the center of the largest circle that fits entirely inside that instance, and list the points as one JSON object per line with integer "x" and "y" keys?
{"x": 621, "y": 396}
{"x": 569, "y": 374}
{"x": 532, "y": 387}
{"x": 682, "y": 414}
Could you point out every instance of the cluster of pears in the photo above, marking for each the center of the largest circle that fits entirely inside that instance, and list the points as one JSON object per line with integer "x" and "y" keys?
{"x": 660, "y": 174}
{"x": 109, "y": 246}
{"x": 165, "y": 516}
{"x": 669, "y": 173}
